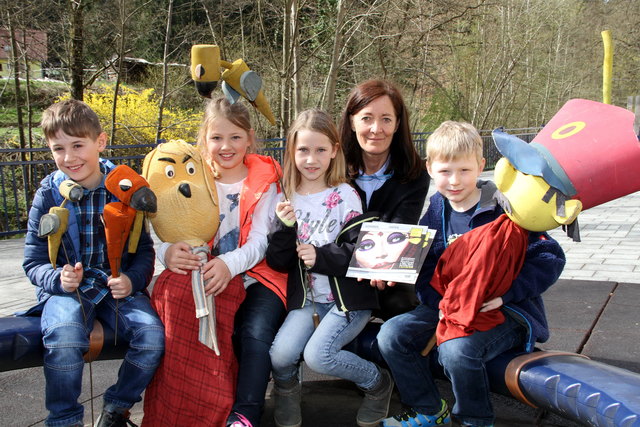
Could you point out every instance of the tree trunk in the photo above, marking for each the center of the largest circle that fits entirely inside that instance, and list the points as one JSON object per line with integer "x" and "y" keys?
{"x": 15, "y": 65}
{"x": 165, "y": 75}
{"x": 119, "y": 71}
{"x": 27, "y": 77}
{"x": 285, "y": 76}
{"x": 329, "y": 95}
{"x": 76, "y": 61}
{"x": 295, "y": 65}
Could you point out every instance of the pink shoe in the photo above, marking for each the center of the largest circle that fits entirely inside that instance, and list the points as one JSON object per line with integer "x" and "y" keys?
{"x": 238, "y": 420}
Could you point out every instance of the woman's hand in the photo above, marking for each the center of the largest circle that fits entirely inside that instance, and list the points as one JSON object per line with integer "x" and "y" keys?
{"x": 285, "y": 212}
{"x": 180, "y": 260}
{"x": 216, "y": 275}
{"x": 307, "y": 253}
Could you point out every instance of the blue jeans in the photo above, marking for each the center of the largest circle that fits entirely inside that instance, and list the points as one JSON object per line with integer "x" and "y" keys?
{"x": 256, "y": 325}
{"x": 464, "y": 361}
{"x": 322, "y": 347}
{"x": 66, "y": 338}
{"x": 400, "y": 341}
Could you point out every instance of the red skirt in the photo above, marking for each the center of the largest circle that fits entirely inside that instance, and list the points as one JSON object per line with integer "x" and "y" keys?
{"x": 192, "y": 386}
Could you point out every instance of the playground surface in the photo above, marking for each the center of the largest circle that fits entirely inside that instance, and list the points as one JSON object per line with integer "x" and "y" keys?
{"x": 593, "y": 309}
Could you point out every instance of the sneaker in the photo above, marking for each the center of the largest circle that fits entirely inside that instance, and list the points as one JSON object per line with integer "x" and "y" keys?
{"x": 375, "y": 404}
{"x": 411, "y": 418}
{"x": 238, "y": 420}
{"x": 114, "y": 419}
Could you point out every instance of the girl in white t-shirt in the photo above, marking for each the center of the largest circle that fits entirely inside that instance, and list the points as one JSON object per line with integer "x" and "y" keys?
{"x": 318, "y": 226}
{"x": 249, "y": 295}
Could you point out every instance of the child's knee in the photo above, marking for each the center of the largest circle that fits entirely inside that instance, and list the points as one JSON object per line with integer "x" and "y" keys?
{"x": 65, "y": 345}
{"x": 317, "y": 358}
{"x": 149, "y": 337}
{"x": 66, "y": 335}
{"x": 456, "y": 351}
{"x": 387, "y": 338}
{"x": 259, "y": 332}
{"x": 393, "y": 338}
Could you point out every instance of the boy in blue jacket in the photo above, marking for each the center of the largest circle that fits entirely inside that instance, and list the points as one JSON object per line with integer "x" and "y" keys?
{"x": 82, "y": 273}
{"x": 463, "y": 202}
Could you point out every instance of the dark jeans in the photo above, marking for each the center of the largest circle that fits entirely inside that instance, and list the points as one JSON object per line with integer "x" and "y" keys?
{"x": 257, "y": 322}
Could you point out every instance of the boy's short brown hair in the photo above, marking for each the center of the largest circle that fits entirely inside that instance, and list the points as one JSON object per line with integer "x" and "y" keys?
{"x": 73, "y": 117}
{"x": 453, "y": 140}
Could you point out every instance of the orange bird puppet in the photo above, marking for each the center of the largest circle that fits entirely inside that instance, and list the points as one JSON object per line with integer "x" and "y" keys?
{"x": 123, "y": 219}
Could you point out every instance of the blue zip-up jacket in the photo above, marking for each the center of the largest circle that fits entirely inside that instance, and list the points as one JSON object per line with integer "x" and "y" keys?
{"x": 138, "y": 266}
{"x": 544, "y": 262}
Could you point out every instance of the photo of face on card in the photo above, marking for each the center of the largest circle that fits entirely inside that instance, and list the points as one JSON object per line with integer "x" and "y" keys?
{"x": 384, "y": 250}
{"x": 390, "y": 251}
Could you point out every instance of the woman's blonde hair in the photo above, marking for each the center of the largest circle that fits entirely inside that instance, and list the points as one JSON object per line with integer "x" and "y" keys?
{"x": 236, "y": 113}
{"x": 316, "y": 121}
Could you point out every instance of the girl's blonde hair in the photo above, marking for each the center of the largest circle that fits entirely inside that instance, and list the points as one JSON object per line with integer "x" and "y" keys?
{"x": 220, "y": 107}
{"x": 316, "y": 121}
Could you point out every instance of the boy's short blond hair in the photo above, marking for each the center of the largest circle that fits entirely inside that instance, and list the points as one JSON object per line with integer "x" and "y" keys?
{"x": 453, "y": 140}
{"x": 73, "y": 117}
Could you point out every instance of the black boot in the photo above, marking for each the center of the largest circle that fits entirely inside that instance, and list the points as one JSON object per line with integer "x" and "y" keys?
{"x": 287, "y": 411}
{"x": 375, "y": 405}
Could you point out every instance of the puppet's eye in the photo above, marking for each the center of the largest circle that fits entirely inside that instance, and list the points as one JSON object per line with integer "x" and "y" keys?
{"x": 191, "y": 168}
{"x": 170, "y": 171}
{"x": 125, "y": 184}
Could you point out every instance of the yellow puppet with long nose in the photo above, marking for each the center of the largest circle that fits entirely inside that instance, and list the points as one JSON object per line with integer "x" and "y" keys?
{"x": 237, "y": 79}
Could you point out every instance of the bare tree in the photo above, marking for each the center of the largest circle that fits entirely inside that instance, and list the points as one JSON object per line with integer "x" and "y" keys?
{"x": 125, "y": 16}
{"x": 76, "y": 36}
{"x": 15, "y": 66}
{"x": 329, "y": 93}
{"x": 165, "y": 79}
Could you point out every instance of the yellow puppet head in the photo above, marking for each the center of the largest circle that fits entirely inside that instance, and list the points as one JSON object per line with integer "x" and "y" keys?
{"x": 237, "y": 79}
{"x": 532, "y": 203}
{"x": 186, "y": 193}
{"x": 586, "y": 155}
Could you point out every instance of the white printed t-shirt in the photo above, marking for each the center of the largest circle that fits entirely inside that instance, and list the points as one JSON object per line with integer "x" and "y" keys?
{"x": 321, "y": 217}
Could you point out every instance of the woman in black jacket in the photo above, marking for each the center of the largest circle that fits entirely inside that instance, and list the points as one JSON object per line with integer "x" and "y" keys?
{"x": 385, "y": 168}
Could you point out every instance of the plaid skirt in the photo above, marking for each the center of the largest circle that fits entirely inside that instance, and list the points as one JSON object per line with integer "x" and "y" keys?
{"x": 192, "y": 386}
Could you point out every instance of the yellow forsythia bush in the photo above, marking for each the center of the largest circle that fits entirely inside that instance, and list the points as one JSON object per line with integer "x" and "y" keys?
{"x": 137, "y": 115}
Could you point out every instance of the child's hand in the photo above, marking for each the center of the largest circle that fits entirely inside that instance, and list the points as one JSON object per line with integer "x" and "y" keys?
{"x": 71, "y": 277}
{"x": 285, "y": 212}
{"x": 120, "y": 286}
{"x": 307, "y": 253}
{"x": 491, "y": 305}
{"x": 218, "y": 275}
{"x": 179, "y": 258}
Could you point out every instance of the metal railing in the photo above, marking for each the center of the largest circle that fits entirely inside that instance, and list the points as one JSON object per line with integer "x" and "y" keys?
{"x": 19, "y": 179}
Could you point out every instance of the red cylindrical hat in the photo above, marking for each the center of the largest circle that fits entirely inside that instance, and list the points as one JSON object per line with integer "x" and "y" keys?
{"x": 596, "y": 148}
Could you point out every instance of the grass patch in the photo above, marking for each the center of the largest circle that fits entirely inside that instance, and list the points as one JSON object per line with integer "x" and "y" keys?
{"x": 9, "y": 116}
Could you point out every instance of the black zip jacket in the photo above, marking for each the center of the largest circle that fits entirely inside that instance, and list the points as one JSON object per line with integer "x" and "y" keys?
{"x": 332, "y": 260}
{"x": 397, "y": 201}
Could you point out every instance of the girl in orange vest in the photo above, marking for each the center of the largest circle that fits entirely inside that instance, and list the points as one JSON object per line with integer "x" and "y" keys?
{"x": 247, "y": 193}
